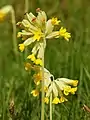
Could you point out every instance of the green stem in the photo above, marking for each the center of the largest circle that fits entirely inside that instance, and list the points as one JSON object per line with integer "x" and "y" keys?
{"x": 26, "y": 5}
{"x": 42, "y": 107}
{"x": 26, "y": 10}
{"x": 14, "y": 32}
{"x": 51, "y": 106}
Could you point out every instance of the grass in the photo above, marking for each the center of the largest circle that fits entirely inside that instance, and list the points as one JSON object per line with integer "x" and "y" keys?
{"x": 63, "y": 59}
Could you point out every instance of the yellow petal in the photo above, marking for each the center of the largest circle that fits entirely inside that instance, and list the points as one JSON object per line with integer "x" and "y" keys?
{"x": 62, "y": 99}
{"x": 46, "y": 100}
{"x": 31, "y": 57}
{"x": 67, "y": 89}
{"x": 73, "y": 90}
{"x": 21, "y": 47}
{"x": 55, "y": 100}
{"x": 35, "y": 93}
{"x": 38, "y": 62}
{"x": 55, "y": 21}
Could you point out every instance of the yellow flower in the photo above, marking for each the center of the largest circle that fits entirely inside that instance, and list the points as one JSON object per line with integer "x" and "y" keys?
{"x": 35, "y": 93}
{"x": 62, "y": 99}
{"x": 37, "y": 35}
{"x": 67, "y": 89}
{"x": 55, "y": 100}
{"x": 46, "y": 100}
{"x": 55, "y": 21}
{"x": 37, "y": 78}
{"x": 74, "y": 82}
{"x": 31, "y": 57}
{"x": 45, "y": 89}
{"x": 19, "y": 34}
{"x": 38, "y": 62}
{"x": 21, "y": 47}
{"x": 64, "y": 33}
{"x": 67, "y": 36}
{"x": 27, "y": 66}
{"x": 73, "y": 90}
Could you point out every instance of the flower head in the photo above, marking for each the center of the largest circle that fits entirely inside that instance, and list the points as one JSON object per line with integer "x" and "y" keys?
{"x": 31, "y": 57}
{"x": 46, "y": 100}
{"x": 21, "y": 47}
{"x": 37, "y": 78}
{"x": 64, "y": 33}
{"x": 35, "y": 93}
{"x": 38, "y": 62}
{"x": 37, "y": 29}
{"x": 59, "y": 88}
{"x": 56, "y": 100}
{"x": 37, "y": 35}
{"x": 55, "y": 21}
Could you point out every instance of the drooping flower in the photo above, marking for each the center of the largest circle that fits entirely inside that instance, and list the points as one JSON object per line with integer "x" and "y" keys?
{"x": 59, "y": 88}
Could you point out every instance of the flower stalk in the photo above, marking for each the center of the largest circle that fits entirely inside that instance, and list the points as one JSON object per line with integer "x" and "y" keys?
{"x": 4, "y": 11}
{"x": 26, "y": 5}
{"x": 42, "y": 106}
{"x": 51, "y": 106}
{"x": 14, "y": 32}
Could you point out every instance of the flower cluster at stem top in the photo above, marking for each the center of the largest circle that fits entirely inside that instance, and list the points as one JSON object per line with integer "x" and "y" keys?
{"x": 37, "y": 30}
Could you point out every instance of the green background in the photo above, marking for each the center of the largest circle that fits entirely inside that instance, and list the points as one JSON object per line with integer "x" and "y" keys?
{"x": 62, "y": 58}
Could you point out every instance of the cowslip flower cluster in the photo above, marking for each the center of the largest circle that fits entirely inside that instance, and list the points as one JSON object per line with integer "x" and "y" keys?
{"x": 36, "y": 30}
{"x": 59, "y": 88}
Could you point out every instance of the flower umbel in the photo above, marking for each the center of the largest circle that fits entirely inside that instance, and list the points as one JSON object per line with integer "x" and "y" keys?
{"x": 37, "y": 29}
{"x": 59, "y": 88}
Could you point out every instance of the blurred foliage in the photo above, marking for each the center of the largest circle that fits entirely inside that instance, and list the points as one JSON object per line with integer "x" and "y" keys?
{"x": 63, "y": 59}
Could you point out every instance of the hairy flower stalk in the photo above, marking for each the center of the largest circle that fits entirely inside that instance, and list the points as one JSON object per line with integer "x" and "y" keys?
{"x": 42, "y": 108}
{"x": 14, "y": 32}
{"x": 26, "y": 5}
{"x": 26, "y": 10}
{"x": 51, "y": 106}
{"x": 4, "y": 11}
